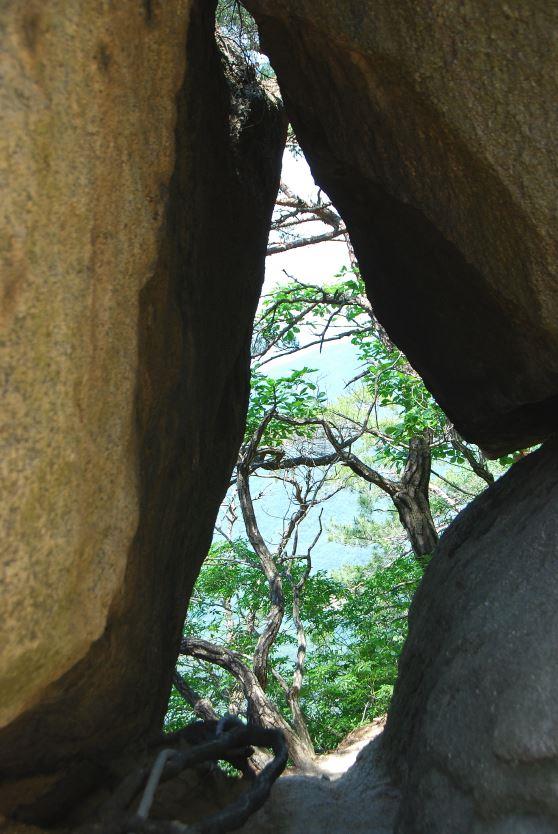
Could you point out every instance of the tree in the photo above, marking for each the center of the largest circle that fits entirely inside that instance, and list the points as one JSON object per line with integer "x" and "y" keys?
{"x": 409, "y": 492}
{"x": 351, "y": 670}
{"x": 267, "y": 637}
{"x": 237, "y": 35}
{"x": 234, "y": 24}
{"x": 255, "y": 602}
{"x": 292, "y": 212}
{"x": 411, "y": 431}
{"x": 355, "y": 623}
{"x": 286, "y": 564}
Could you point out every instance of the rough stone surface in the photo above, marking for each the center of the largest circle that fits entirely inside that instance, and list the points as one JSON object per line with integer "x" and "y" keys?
{"x": 473, "y": 730}
{"x": 131, "y": 272}
{"x": 362, "y": 801}
{"x": 432, "y": 126}
{"x": 86, "y": 150}
{"x": 73, "y": 800}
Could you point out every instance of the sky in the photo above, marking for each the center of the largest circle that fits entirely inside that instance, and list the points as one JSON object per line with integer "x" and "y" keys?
{"x": 317, "y": 263}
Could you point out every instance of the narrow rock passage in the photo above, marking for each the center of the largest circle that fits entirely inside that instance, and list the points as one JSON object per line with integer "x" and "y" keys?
{"x": 354, "y": 795}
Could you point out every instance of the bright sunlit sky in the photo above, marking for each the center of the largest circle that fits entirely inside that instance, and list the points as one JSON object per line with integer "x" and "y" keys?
{"x": 314, "y": 264}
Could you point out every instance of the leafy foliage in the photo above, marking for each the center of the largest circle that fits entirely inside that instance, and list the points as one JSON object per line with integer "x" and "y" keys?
{"x": 356, "y": 625}
{"x": 296, "y": 395}
{"x": 232, "y": 20}
{"x": 404, "y": 404}
{"x": 355, "y": 619}
{"x": 292, "y": 307}
{"x": 395, "y": 386}
{"x": 352, "y": 668}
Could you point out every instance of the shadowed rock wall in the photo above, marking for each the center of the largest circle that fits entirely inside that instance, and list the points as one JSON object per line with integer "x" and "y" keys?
{"x": 136, "y": 212}
{"x": 432, "y": 126}
{"x": 473, "y": 728}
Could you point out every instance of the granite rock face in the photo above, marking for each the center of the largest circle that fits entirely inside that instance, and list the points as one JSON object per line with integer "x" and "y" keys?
{"x": 138, "y": 176}
{"x": 135, "y": 209}
{"x": 87, "y": 150}
{"x": 360, "y": 801}
{"x": 432, "y": 127}
{"x": 472, "y": 733}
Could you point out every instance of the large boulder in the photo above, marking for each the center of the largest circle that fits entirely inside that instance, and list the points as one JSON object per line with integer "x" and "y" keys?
{"x": 87, "y": 150}
{"x": 360, "y": 801}
{"x": 135, "y": 208}
{"x": 472, "y": 734}
{"x": 432, "y": 126}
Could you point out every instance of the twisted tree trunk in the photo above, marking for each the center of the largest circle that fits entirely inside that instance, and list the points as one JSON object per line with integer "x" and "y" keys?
{"x": 276, "y": 597}
{"x": 262, "y": 710}
{"x": 409, "y": 494}
{"x": 411, "y": 499}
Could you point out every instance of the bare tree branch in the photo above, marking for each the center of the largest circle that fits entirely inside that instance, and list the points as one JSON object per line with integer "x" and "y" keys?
{"x": 297, "y": 243}
{"x": 343, "y": 335}
{"x": 262, "y": 710}
{"x": 478, "y": 465}
{"x": 202, "y": 706}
